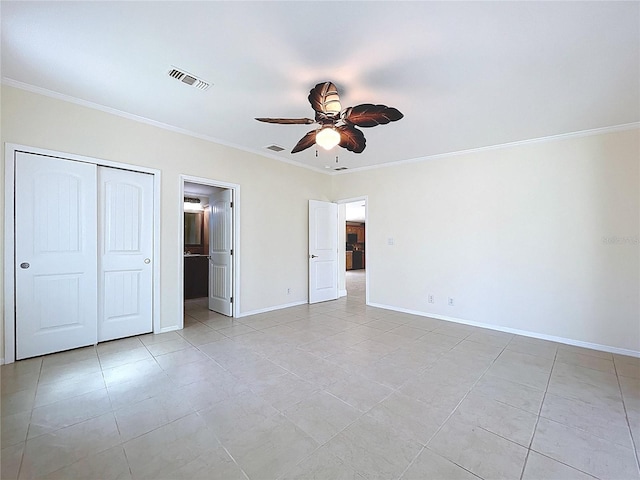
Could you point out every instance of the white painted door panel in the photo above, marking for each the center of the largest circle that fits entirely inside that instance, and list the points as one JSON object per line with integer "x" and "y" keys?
{"x": 56, "y": 243}
{"x": 220, "y": 252}
{"x": 323, "y": 251}
{"x": 125, "y": 282}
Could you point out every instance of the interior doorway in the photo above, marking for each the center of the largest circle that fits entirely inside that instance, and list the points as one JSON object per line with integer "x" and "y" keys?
{"x": 209, "y": 244}
{"x": 353, "y": 273}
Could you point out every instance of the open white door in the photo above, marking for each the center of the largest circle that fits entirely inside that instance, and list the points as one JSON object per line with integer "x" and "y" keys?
{"x": 56, "y": 247}
{"x": 323, "y": 251}
{"x": 126, "y": 246}
{"x": 220, "y": 252}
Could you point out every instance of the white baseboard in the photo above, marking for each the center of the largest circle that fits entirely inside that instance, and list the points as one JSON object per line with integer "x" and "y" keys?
{"x": 515, "y": 331}
{"x": 271, "y": 309}
{"x": 169, "y": 329}
{"x": 2, "y": 361}
{"x": 342, "y": 293}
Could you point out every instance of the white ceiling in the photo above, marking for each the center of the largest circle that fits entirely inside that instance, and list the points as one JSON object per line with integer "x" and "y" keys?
{"x": 465, "y": 74}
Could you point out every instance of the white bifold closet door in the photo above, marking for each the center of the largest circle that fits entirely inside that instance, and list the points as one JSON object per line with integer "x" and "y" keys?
{"x": 83, "y": 243}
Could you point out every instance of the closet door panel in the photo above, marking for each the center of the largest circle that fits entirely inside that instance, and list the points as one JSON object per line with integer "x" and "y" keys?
{"x": 125, "y": 259}
{"x": 56, "y": 251}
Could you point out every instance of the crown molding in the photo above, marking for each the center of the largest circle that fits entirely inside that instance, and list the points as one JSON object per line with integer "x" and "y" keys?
{"x": 550, "y": 138}
{"x": 96, "y": 106}
{"x": 137, "y": 118}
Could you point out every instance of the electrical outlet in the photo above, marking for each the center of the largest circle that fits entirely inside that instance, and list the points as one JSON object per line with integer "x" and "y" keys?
{"x": 288, "y": 291}
{"x": 450, "y": 301}
{"x": 430, "y": 298}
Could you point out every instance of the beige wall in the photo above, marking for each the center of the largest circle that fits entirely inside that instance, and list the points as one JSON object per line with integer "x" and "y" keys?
{"x": 274, "y": 195}
{"x": 514, "y": 235}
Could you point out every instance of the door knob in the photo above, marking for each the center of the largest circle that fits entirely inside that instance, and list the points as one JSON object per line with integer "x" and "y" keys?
{"x": 147, "y": 260}
{"x": 24, "y": 265}
{"x": 314, "y": 256}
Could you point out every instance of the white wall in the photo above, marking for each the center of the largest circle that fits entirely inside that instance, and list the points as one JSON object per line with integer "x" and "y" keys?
{"x": 514, "y": 235}
{"x": 274, "y": 195}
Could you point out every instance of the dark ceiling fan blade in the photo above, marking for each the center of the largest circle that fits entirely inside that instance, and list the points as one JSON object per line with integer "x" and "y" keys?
{"x": 287, "y": 121}
{"x": 369, "y": 115}
{"x": 351, "y": 138}
{"x": 324, "y": 98}
{"x": 305, "y": 142}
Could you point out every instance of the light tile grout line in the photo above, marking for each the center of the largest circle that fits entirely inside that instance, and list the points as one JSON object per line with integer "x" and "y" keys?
{"x": 362, "y": 413}
{"x": 102, "y": 370}
{"x": 529, "y": 450}
{"x": 229, "y": 453}
{"x": 535, "y": 427}
{"x": 65, "y": 426}
{"x": 122, "y": 443}
{"x": 425, "y": 446}
{"x": 35, "y": 393}
{"x": 634, "y": 441}
{"x": 126, "y": 457}
{"x": 394, "y": 390}
{"x": 282, "y": 413}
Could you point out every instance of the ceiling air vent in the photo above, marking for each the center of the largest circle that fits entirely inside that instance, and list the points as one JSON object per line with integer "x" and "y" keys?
{"x": 189, "y": 79}
{"x": 275, "y": 148}
{"x": 340, "y": 168}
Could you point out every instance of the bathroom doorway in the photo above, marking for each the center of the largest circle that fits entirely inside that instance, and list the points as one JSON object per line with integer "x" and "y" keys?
{"x": 209, "y": 244}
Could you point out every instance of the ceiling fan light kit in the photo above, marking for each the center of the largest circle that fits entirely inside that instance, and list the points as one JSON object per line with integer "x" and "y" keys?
{"x": 327, "y": 137}
{"x": 337, "y": 126}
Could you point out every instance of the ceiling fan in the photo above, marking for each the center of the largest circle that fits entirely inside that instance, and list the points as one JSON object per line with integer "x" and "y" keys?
{"x": 337, "y": 126}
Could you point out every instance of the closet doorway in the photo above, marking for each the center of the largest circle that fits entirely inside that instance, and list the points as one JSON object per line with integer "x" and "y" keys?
{"x": 81, "y": 238}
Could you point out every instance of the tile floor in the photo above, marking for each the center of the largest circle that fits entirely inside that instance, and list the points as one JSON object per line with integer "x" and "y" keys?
{"x": 336, "y": 390}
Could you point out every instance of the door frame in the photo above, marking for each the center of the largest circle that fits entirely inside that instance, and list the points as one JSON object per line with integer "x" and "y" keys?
{"x": 235, "y": 234}
{"x": 9, "y": 234}
{"x": 341, "y": 245}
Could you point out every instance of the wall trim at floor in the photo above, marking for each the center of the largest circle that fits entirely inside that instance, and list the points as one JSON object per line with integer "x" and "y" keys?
{"x": 515, "y": 331}
{"x": 173, "y": 328}
{"x": 342, "y": 293}
{"x": 271, "y": 309}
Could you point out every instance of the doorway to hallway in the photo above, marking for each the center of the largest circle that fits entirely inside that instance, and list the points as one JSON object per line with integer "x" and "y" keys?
{"x": 353, "y": 274}
{"x": 356, "y": 286}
